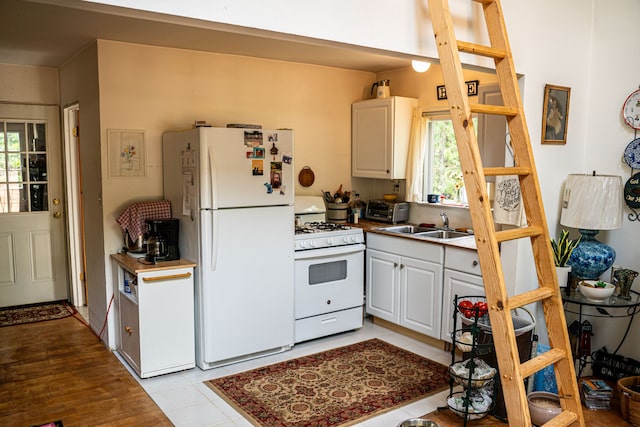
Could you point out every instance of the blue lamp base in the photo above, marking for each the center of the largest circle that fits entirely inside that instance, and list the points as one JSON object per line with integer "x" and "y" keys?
{"x": 591, "y": 258}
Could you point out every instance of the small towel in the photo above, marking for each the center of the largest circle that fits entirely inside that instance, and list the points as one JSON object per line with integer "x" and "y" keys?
{"x": 132, "y": 219}
{"x": 507, "y": 205}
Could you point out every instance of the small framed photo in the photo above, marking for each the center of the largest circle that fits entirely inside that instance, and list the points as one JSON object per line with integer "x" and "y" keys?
{"x": 555, "y": 114}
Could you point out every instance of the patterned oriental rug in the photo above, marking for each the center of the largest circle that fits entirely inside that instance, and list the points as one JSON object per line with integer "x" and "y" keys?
{"x": 35, "y": 313}
{"x": 338, "y": 387}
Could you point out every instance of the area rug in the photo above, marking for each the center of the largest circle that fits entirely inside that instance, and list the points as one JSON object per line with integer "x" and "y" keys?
{"x": 338, "y": 387}
{"x": 35, "y": 313}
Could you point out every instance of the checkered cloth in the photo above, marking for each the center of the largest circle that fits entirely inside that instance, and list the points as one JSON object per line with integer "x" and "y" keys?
{"x": 132, "y": 220}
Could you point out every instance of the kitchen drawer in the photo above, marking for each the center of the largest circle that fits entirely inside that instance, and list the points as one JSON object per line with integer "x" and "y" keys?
{"x": 464, "y": 260}
{"x": 401, "y": 246}
{"x": 328, "y": 324}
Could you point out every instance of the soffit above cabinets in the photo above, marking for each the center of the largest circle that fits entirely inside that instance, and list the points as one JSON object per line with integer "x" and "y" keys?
{"x": 47, "y": 35}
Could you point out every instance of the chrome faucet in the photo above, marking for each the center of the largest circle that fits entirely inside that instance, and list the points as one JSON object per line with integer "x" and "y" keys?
{"x": 445, "y": 220}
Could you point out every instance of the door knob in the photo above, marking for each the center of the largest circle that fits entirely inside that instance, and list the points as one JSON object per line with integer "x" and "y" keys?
{"x": 57, "y": 215}
{"x": 56, "y": 201}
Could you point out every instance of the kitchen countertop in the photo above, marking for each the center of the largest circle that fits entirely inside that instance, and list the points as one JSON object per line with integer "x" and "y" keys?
{"x": 132, "y": 264}
{"x": 375, "y": 227}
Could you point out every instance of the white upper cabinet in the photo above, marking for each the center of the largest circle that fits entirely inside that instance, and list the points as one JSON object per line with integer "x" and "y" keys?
{"x": 380, "y": 132}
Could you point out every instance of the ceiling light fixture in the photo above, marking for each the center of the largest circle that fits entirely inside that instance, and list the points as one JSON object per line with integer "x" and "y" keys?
{"x": 420, "y": 66}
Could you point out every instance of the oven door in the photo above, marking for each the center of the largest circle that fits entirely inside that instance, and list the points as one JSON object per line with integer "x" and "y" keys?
{"x": 328, "y": 279}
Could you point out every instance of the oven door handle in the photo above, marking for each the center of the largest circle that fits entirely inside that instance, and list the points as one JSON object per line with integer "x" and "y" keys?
{"x": 333, "y": 251}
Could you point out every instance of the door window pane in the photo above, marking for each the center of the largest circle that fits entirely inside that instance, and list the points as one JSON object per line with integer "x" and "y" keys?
{"x": 23, "y": 167}
{"x": 37, "y": 137}
{"x": 14, "y": 167}
{"x": 38, "y": 197}
{"x": 15, "y": 137}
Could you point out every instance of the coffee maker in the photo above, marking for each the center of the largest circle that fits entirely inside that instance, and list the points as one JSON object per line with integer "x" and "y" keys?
{"x": 162, "y": 240}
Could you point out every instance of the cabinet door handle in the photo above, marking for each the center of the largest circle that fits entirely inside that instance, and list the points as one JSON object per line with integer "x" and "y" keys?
{"x": 401, "y": 265}
{"x": 171, "y": 277}
{"x": 128, "y": 329}
{"x": 395, "y": 264}
{"x": 474, "y": 263}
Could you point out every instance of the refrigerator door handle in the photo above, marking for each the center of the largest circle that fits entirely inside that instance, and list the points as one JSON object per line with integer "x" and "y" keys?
{"x": 212, "y": 177}
{"x": 214, "y": 240}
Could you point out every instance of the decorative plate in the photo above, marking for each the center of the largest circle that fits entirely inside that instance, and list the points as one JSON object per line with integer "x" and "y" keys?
{"x": 631, "y": 110}
{"x": 632, "y": 192}
{"x": 632, "y": 154}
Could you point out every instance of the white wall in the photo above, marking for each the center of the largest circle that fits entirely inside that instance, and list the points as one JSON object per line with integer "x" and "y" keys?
{"x": 613, "y": 68}
{"x": 79, "y": 84}
{"x": 26, "y": 84}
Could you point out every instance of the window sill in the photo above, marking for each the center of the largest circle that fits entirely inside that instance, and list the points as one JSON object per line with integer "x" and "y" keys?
{"x": 445, "y": 205}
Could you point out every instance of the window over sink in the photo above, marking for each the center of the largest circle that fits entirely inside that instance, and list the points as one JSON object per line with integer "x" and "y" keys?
{"x": 442, "y": 173}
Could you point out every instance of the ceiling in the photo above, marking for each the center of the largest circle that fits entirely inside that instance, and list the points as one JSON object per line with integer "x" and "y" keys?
{"x": 47, "y": 35}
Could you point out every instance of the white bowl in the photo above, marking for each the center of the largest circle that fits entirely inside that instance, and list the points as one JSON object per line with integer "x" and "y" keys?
{"x": 592, "y": 293}
{"x": 543, "y": 406}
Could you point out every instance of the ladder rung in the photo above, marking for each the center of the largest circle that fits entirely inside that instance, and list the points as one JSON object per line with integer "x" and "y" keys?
{"x": 529, "y": 297}
{"x": 518, "y": 233}
{"x": 500, "y": 110}
{"x": 541, "y": 361}
{"x": 482, "y": 50}
{"x": 563, "y": 419}
{"x": 504, "y": 171}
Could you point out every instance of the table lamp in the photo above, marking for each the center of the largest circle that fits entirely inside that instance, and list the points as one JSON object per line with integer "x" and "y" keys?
{"x": 592, "y": 203}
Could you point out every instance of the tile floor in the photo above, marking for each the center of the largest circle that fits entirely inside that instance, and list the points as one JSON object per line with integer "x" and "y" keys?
{"x": 184, "y": 398}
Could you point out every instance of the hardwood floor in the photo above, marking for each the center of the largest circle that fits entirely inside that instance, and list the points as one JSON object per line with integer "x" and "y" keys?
{"x": 59, "y": 370}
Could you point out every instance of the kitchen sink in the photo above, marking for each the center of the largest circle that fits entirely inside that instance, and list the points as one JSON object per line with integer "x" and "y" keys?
{"x": 425, "y": 232}
{"x": 406, "y": 229}
{"x": 441, "y": 234}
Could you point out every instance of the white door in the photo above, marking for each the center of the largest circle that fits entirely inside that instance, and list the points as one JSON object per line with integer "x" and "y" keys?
{"x": 33, "y": 252}
{"x": 247, "y": 167}
{"x": 421, "y": 296}
{"x": 383, "y": 285}
{"x": 247, "y": 291}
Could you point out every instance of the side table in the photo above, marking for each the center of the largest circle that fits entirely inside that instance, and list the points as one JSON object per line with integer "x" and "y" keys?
{"x": 612, "y": 307}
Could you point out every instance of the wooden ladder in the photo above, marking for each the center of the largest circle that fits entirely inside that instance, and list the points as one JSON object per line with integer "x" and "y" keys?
{"x": 512, "y": 372}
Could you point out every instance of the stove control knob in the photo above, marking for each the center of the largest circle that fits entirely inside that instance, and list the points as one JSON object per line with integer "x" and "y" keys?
{"x": 329, "y": 241}
{"x": 312, "y": 243}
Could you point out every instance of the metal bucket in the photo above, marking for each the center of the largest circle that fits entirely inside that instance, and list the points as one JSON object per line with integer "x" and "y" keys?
{"x": 337, "y": 212}
{"x": 417, "y": 422}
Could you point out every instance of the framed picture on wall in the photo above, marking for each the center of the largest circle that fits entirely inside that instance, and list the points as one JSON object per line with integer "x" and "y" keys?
{"x": 555, "y": 114}
{"x": 126, "y": 153}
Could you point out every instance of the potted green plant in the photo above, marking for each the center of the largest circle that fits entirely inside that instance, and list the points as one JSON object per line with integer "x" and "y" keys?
{"x": 562, "y": 250}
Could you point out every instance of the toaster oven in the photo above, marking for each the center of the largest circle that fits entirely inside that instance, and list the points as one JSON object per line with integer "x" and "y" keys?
{"x": 392, "y": 212}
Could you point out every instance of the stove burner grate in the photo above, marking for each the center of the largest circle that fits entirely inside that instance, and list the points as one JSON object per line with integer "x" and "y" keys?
{"x": 327, "y": 226}
{"x": 300, "y": 229}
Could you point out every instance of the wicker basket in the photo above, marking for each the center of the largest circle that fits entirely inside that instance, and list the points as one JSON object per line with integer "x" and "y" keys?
{"x": 630, "y": 399}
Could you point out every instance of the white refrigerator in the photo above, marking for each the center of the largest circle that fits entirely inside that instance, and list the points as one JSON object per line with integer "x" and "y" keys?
{"x": 232, "y": 190}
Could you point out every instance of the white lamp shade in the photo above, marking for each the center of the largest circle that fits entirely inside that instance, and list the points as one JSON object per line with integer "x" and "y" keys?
{"x": 592, "y": 202}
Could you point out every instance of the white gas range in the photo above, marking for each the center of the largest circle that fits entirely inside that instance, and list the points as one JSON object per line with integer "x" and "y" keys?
{"x": 329, "y": 273}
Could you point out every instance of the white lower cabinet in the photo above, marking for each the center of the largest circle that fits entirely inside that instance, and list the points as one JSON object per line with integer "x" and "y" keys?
{"x": 462, "y": 277}
{"x": 155, "y": 319}
{"x": 404, "y": 282}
